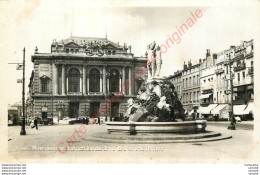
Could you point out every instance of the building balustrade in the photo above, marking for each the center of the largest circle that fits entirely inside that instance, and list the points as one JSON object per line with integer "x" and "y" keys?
{"x": 240, "y": 67}
{"x": 249, "y": 55}
{"x": 219, "y": 71}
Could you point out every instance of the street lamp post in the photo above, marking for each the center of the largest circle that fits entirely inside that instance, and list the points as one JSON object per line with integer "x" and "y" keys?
{"x": 23, "y": 132}
{"x": 231, "y": 114}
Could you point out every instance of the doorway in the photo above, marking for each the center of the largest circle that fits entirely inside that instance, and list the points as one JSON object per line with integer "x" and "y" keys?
{"x": 94, "y": 108}
{"x": 74, "y": 109}
{"x": 115, "y": 111}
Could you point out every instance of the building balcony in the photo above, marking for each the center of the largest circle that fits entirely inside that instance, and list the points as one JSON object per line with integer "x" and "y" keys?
{"x": 207, "y": 87}
{"x": 249, "y": 55}
{"x": 251, "y": 70}
{"x": 219, "y": 71}
{"x": 74, "y": 93}
{"x": 239, "y": 57}
{"x": 240, "y": 67}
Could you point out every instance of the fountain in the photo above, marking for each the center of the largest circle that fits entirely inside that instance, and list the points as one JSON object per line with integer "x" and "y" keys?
{"x": 157, "y": 108}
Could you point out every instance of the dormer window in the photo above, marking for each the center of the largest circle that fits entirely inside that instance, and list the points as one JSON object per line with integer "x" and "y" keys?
{"x": 67, "y": 50}
{"x": 109, "y": 52}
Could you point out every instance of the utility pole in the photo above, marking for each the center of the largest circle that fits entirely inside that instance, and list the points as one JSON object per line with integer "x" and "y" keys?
{"x": 23, "y": 132}
{"x": 231, "y": 114}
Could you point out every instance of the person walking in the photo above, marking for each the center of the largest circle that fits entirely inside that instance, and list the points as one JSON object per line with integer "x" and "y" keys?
{"x": 87, "y": 120}
{"x": 36, "y": 123}
{"x": 99, "y": 120}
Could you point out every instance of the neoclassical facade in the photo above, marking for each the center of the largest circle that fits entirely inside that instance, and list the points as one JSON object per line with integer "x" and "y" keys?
{"x": 81, "y": 74}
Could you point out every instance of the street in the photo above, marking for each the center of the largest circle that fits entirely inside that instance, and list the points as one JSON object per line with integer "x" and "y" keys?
{"x": 37, "y": 145}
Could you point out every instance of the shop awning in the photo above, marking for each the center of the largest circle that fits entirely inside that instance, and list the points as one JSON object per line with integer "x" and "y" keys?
{"x": 250, "y": 108}
{"x": 206, "y": 110}
{"x": 218, "y": 109}
{"x": 205, "y": 95}
{"x": 239, "y": 109}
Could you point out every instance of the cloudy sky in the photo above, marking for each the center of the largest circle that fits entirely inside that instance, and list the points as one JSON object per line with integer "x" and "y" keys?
{"x": 37, "y": 23}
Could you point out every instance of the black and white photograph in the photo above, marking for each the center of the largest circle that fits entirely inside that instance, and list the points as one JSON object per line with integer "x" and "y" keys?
{"x": 129, "y": 82}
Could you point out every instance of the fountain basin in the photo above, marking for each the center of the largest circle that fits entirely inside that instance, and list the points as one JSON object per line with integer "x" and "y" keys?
{"x": 156, "y": 127}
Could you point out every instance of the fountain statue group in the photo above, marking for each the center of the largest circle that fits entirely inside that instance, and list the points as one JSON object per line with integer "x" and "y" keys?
{"x": 157, "y": 100}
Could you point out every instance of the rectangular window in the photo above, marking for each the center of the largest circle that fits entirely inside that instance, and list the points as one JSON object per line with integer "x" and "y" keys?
{"x": 238, "y": 76}
{"x": 227, "y": 69}
{"x": 44, "y": 86}
{"x": 243, "y": 75}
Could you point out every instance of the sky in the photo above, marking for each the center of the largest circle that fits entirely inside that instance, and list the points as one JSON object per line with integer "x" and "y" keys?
{"x": 36, "y": 23}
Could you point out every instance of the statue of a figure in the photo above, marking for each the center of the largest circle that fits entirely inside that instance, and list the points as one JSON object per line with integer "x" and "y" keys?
{"x": 154, "y": 60}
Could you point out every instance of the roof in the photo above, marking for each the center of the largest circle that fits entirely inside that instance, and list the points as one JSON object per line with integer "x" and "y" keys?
{"x": 81, "y": 41}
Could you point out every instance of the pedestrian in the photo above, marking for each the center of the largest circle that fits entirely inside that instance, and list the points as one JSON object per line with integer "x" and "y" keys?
{"x": 193, "y": 116}
{"x": 83, "y": 121}
{"x": 36, "y": 123}
{"x": 99, "y": 120}
{"x": 87, "y": 120}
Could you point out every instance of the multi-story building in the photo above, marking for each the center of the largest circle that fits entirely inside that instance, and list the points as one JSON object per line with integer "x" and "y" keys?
{"x": 208, "y": 84}
{"x": 215, "y": 81}
{"x": 190, "y": 86}
{"x": 176, "y": 79}
{"x": 243, "y": 82}
{"x": 81, "y": 76}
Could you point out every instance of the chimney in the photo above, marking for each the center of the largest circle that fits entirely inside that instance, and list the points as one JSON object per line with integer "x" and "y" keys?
{"x": 215, "y": 57}
{"x": 184, "y": 66}
{"x": 189, "y": 64}
{"x": 208, "y": 53}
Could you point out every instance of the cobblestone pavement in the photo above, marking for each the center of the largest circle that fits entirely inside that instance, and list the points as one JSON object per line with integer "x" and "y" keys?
{"x": 238, "y": 149}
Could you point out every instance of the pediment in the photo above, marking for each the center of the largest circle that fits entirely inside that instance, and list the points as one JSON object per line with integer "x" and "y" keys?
{"x": 110, "y": 46}
{"x": 72, "y": 44}
{"x": 45, "y": 77}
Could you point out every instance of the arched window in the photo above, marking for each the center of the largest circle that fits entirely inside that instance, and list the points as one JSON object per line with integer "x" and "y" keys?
{"x": 74, "y": 80}
{"x": 114, "y": 80}
{"x": 94, "y": 80}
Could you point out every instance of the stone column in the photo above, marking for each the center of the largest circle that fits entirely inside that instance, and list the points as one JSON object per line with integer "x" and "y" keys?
{"x": 54, "y": 79}
{"x": 84, "y": 80}
{"x": 67, "y": 85}
{"x": 130, "y": 80}
{"x": 123, "y": 81}
{"x": 100, "y": 83}
{"x": 80, "y": 84}
{"x": 104, "y": 80}
{"x": 63, "y": 80}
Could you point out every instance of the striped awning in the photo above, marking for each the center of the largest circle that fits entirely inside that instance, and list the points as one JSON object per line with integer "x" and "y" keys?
{"x": 218, "y": 109}
{"x": 239, "y": 109}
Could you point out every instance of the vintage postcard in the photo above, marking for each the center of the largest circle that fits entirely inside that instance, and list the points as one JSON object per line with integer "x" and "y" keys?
{"x": 129, "y": 82}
